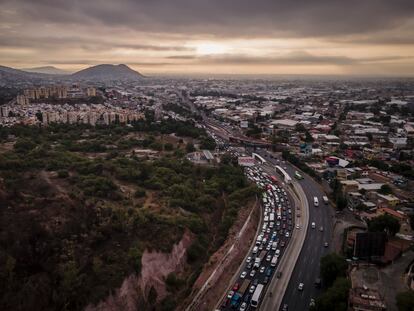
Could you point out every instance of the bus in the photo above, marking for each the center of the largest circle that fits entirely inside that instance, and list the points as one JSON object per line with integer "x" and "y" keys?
{"x": 256, "y": 296}
{"x": 298, "y": 175}
{"x": 315, "y": 201}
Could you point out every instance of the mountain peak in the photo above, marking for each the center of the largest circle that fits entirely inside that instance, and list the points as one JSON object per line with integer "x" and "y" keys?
{"x": 108, "y": 72}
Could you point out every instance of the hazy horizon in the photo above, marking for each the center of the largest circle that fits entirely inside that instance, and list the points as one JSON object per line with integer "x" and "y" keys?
{"x": 181, "y": 37}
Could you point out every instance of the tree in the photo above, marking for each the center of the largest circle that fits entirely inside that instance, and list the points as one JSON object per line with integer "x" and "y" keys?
{"x": 385, "y": 189}
{"x": 190, "y": 147}
{"x": 299, "y": 127}
{"x": 341, "y": 202}
{"x": 308, "y": 137}
{"x": 335, "y": 298}
{"x": 405, "y": 301}
{"x": 332, "y": 267}
{"x": 385, "y": 223}
{"x": 412, "y": 221}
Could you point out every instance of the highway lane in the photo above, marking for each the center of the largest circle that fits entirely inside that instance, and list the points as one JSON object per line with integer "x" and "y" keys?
{"x": 307, "y": 267}
{"x": 259, "y": 276}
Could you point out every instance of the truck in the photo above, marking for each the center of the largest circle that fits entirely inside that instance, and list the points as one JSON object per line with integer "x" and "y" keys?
{"x": 274, "y": 261}
{"x": 254, "y": 302}
{"x": 244, "y": 287}
{"x": 259, "y": 259}
{"x": 325, "y": 199}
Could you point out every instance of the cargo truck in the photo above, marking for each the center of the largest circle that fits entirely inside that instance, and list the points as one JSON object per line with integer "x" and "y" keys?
{"x": 256, "y": 296}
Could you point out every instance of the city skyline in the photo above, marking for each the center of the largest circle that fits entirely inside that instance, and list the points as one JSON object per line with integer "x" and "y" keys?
{"x": 198, "y": 37}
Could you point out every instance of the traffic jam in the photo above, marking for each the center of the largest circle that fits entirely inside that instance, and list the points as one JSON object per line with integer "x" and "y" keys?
{"x": 262, "y": 262}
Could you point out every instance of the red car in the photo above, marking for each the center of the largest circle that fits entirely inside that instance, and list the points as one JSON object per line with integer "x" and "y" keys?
{"x": 236, "y": 287}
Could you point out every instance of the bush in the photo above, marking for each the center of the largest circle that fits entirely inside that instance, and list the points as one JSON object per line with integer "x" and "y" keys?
{"x": 140, "y": 193}
{"x": 63, "y": 174}
{"x": 405, "y": 301}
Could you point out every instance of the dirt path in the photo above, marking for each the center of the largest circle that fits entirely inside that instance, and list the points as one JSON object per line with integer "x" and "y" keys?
{"x": 218, "y": 272}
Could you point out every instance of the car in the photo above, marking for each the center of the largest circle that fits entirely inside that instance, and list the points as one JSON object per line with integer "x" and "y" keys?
{"x": 255, "y": 282}
{"x": 297, "y": 226}
{"x": 252, "y": 288}
{"x": 266, "y": 280}
{"x": 247, "y": 298}
{"x": 320, "y": 228}
{"x": 300, "y": 286}
{"x": 318, "y": 283}
{"x": 268, "y": 257}
{"x": 230, "y": 294}
{"x": 243, "y": 306}
{"x": 249, "y": 265}
{"x": 313, "y": 225}
{"x": 277, "y": 252}
{"x": 312, "y": 302}
{"x": 268, "y": 247}
{"x": 285, "y": 307}
{"x": 282, "y": 244}
{"x": 249, "y": 259}
{"x": 262, "y": 269}
{"x": 326, "y": 244}
{"x": 243, "y": 274}
{"x": 287, "y": 234}
{"x": 252, "y": 273}
{"x": 279, "y": 274}
{"x": 236, "y": 287}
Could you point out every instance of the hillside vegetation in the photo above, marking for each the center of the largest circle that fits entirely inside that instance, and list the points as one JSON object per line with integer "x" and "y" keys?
{"x": 78, "y": 209}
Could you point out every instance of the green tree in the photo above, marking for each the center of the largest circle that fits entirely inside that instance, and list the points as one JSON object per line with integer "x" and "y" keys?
{"x": 341, "y": 202}
{"x": 385, "y": 223}
{"x": 335, "y": 298}
{"x": 405, "y": 301}
{"x": 332, "y": 267}
{"x": 385, "y": 189}
{"x": 190, "y": 147}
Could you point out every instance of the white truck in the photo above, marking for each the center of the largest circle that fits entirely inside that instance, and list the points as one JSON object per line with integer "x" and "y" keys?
{"x": 274, "y": 261}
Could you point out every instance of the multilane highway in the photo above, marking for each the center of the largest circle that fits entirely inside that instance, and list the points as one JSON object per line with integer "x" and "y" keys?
{"x": 306, "y": 270}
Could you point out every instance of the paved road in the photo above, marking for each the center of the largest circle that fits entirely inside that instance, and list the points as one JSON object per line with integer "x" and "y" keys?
{"x": 307, "y": 267}
{"x": 288, "y": 262}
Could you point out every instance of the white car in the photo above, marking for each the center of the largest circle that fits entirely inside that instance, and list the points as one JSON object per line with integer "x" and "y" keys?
{"x": 230, "y": 294}
{"x": 243, "y": 306}
{"x": 277, "y": 253}
{"x": 252, "y": 288}
{"x": 248, "y": 259}
{"x": 269, "y": 258}
{"x": 243, "y": 274}
{"x": 313, "y": 225}
{"x": 297, "y": 226}
{"x": 287, "y": 234}
{"x": 252, "y": 273}
{"x": 300, "y": 287}
{"x": 262, "y": 269}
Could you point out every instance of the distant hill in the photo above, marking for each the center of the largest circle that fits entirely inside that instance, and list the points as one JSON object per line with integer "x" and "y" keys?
{"x": 48, "y": 70}
{"x": 107, "y": 72}
{"x": 10, "y": 75}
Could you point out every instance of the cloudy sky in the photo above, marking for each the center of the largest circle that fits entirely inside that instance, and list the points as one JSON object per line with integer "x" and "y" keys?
{"x": 350, "y": 37}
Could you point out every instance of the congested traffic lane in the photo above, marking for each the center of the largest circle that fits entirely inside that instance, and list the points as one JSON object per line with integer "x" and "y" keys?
{"x": 306, "y": 270}
{"x": 261, "y": 264}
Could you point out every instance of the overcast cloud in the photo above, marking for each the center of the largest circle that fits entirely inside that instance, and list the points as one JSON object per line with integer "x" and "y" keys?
{"x": 174, "y": 34}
